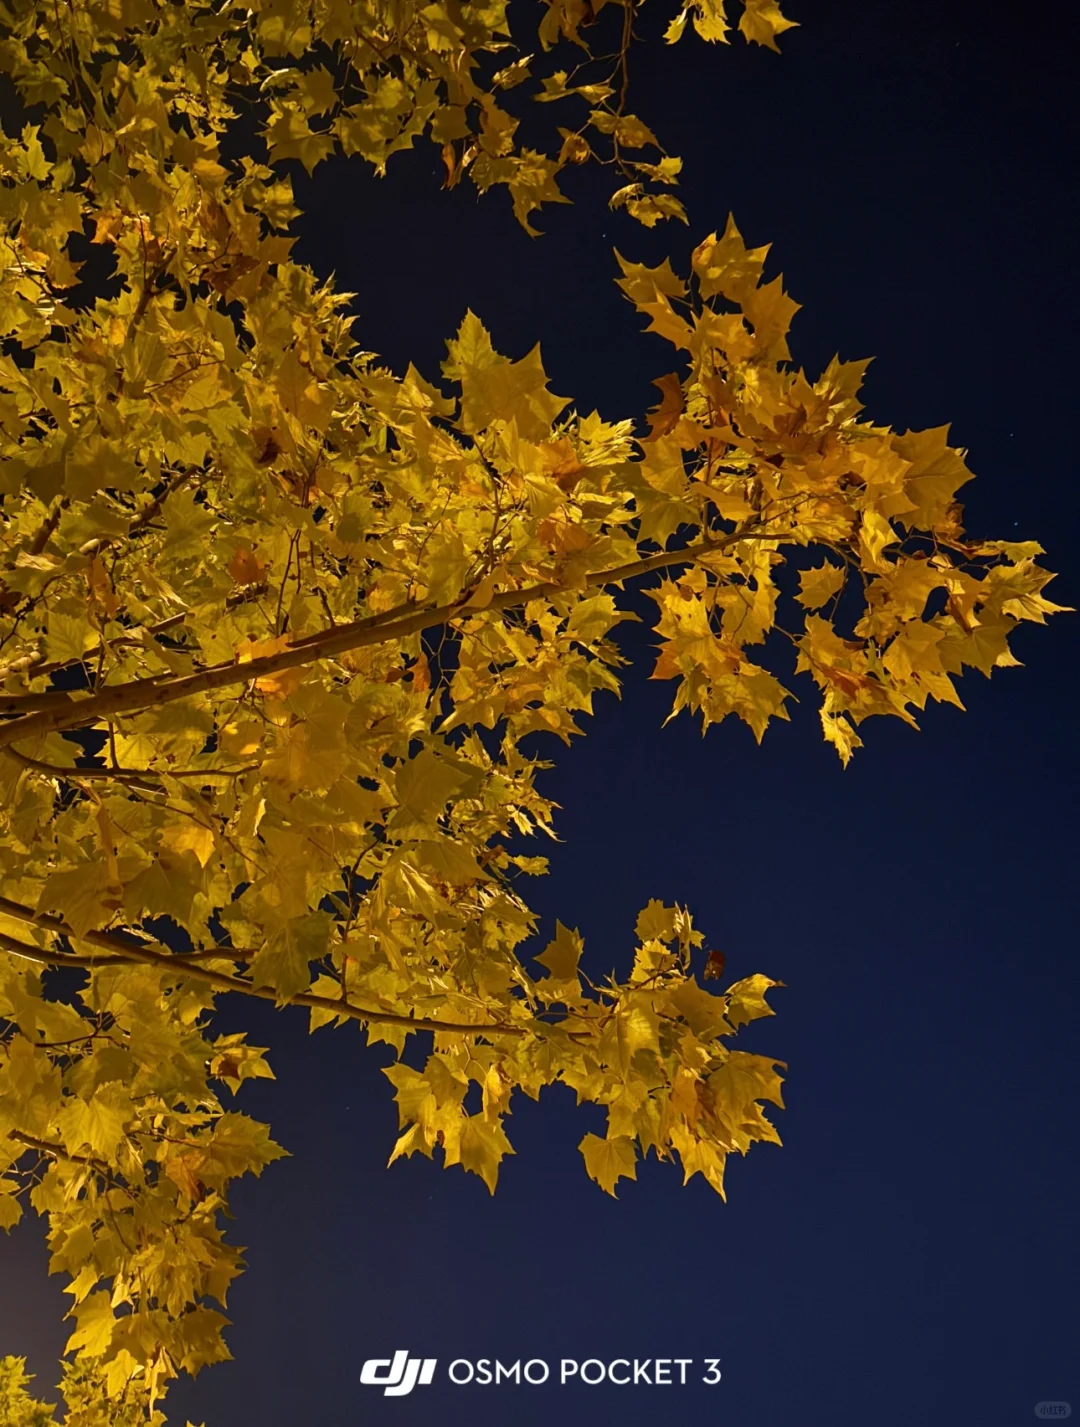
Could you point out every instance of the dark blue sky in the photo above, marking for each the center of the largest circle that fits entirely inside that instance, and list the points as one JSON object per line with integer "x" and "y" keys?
{"x": 910, "y": 1255}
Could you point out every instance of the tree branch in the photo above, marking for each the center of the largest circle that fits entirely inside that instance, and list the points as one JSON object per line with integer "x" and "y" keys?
{"x": 47, "y": 526}
{"x": 59, "y": 710}
{"x": 142, "y": 520}
{"x": 137, "y": 777}
{"x": 28, "y": 952}
{"x": 47, "y": 1147}
{"x": 37, "y": 667}
{"x": 155, "y": 954}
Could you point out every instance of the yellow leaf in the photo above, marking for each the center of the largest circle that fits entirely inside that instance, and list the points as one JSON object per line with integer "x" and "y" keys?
{"x": 761, "y": 21}
{"x": 492, "y": 387}
{"x": 608, "y": 1161}
{"x": 817, "y": 586}
{"x": 562, "y": 955}
{"x": 415, "y": 1098}
{"x": 704, "y": 1013}
{"x": 189, "y": 836}
{"x": 10, "y": 1208}
{"x": 96, "y": 1323}
{"x": 744, "y": 1078}
{"x": 632, "y": 133}
{"x": 650, "y": 290}
{"x": 289, "y": 136}
{"x": 700, "y": 1155}
{"x": 727, "y": 266}
{"x": 839, "y": 732}
{"x": 282, "y": 683}
{"x": 986, "y": 646}
{"x": 656, "y": 922}
{"x": 482, "y": 1147}
{"x": 592, "y": 618}
{"x": 98, "y": 1122}
{"x": 651, "y": 208}
{"x": 875, "y": 535}
{"x": 425, "y": 784}
{"x": 68, "y": 637}
{"x": 746, "y": 999}
{"x": 770, "y": 310}
{"x": 409, "y": 1143}
{"x": 82, "y": 895}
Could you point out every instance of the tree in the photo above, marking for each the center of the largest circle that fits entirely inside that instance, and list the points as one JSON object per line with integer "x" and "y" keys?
{"x": 279, "y": 627}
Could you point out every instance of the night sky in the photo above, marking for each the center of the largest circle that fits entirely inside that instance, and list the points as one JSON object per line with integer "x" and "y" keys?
{"x": 910, "y": 1255}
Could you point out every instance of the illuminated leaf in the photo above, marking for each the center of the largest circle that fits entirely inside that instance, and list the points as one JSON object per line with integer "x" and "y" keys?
{"x": 608, "y": 1161}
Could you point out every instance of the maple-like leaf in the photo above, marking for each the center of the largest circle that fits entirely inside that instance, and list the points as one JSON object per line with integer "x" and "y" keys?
{"x": 817, "y": 586}
{"x": 762, "y": 22}
{"x": 562, "y": 955}
{"x": 608, "y": 1161}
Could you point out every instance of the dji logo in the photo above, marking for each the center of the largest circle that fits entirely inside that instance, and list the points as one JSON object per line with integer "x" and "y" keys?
{"x": 401, "y": 1375}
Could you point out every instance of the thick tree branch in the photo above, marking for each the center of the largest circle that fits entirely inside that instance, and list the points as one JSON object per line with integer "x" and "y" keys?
{"x": 37, "y": 666}
{"x": 137, "y": 777}
{"x": 47, "y": 1147}
{"x": 156, "y": 954}
{"x": 26, "y": 951}
{"x": 65, "y": 711}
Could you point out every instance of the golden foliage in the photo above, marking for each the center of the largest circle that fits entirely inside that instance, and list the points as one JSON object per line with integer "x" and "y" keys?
{"x": 276, "y": 625}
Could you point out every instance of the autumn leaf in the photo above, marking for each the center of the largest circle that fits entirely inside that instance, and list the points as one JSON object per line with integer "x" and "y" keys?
{"x": 425, "y": 784}
{"x": 10, "y": 1208}
{"x": 656, "y": 922}
{"x": 82, "y": 893}
{"x": 714, "y": 969}
{"x": 96, "y": 1324}
{"x": 483, "y": 1146}
{"x": 746, "y": 999}
{"x": 608, "y": 1161}
{"x": 632, "y": 133}
{"x": 562, "y": 955}
{"x": 246, "y": 568}
{"x": 817, "y": 586}
{"x": 190, "y": 837}
{"x": 762, "y": 22}
{"x": 97, "y": 1124}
